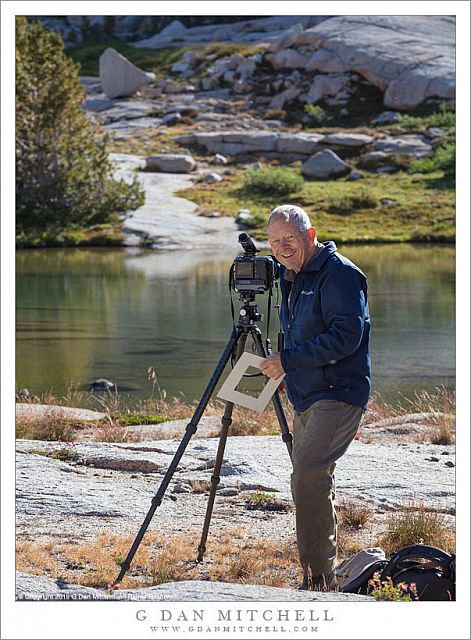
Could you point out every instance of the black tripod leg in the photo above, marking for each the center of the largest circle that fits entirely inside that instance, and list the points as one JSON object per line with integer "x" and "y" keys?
{"x": 286, "y": 435}
{"x": 215, "y": 478}
{"x": 189, "y": 431}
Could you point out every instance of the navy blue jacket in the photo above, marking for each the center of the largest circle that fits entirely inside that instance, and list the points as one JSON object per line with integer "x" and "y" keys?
{"x": 327, "y": 328}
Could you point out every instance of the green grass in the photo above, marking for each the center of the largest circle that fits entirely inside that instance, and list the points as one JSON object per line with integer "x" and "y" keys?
{"x": 423, "y": 206}
{"x": 444, "y": 119}
{"x": 158, "y": 61}
{"x": 139, "y": 418}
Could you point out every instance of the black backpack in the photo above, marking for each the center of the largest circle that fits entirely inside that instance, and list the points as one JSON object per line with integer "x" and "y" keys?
{"x": 429, "y": 568}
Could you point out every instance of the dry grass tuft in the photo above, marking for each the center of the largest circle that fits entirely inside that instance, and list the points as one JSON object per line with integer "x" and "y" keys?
{"x": 439, "y": 417}
{"x": 111, "y": 431}
{"x": 200, "y": 486}
{"x": 52, "y": 425}
{"x": 444, "y": 435}
{"x": 414, "y": 525}
{"x": 121, "y": 412}
{"x": 441, "y": 404}
{"x": 353, "y": 514}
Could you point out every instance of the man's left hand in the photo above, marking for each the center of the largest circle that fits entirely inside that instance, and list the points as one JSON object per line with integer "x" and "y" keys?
{"x": 272, "y": 366}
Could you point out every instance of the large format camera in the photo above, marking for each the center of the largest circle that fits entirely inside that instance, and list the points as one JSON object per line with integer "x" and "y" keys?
{"x": 251, "y": 273}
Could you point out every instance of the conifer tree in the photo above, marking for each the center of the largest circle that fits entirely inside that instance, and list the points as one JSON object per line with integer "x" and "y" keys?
{"x": 63, "y": 174}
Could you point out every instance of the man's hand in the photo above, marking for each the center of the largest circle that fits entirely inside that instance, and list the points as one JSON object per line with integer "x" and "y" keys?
{"x": 272, "y": 366}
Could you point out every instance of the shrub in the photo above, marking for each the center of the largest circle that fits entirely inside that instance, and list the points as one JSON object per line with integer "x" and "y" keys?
{"x": 400, "y": 161}
{"x": 316, "y": 114}
{"x": 273, "y": 180}
{"x": 443, "y": 159}
{"x": 348, "y": 204}
{"x": 63, "y": 174}
{"x": 445, "y": 118}
{"x": 387, "y": 591}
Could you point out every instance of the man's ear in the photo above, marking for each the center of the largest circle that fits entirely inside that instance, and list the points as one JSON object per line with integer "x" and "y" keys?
{"x": 312, "y": 235}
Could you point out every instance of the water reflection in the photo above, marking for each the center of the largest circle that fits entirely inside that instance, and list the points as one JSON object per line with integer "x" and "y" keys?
{"x": 91, "y": 313}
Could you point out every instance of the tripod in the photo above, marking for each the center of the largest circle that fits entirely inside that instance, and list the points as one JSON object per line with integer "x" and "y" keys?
{"x": 248, "y": 315}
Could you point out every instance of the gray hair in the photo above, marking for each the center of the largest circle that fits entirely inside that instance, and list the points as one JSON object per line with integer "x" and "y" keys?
{"x": 291, "y": 213}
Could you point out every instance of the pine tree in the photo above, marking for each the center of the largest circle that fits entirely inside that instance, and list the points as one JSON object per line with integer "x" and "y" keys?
{"x": 63, "y": 174}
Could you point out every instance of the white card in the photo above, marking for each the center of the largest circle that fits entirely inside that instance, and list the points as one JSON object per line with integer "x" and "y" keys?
{"x": 228, "y": 390}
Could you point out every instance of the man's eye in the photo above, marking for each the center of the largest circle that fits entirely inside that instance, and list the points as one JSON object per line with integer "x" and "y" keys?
{"x": 274, "y": 241}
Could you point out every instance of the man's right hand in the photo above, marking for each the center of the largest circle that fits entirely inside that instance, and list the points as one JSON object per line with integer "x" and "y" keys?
{"x": 272, "y": 366}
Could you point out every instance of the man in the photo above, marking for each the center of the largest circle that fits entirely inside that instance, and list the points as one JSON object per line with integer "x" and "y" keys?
{"x": 325, "y": 319}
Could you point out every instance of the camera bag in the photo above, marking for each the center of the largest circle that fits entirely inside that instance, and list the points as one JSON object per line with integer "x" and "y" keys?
{"x": 431, "y": 569}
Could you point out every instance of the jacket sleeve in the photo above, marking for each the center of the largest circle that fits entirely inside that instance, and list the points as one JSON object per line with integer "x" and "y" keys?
{"x": 344, "y": 310}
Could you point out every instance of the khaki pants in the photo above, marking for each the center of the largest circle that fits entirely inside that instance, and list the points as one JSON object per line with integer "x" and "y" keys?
{"x": 321, "y": 435}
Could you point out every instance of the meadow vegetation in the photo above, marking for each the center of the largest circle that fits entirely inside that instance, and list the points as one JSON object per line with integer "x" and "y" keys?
{"x": 414, "y": 208}
{"x": 414, "y": 204}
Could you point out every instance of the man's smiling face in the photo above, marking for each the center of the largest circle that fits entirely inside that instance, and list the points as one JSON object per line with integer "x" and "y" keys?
{"x": 291, "y": 246}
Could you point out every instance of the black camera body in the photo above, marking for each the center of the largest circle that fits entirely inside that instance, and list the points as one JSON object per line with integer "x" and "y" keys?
{"x": 252, "y": 273}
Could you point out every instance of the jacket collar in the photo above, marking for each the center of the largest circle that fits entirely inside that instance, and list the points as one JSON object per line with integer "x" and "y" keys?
{"x": 316, "y": 263}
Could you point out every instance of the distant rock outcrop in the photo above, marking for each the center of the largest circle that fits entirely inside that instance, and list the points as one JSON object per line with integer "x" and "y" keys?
{"x": 410, "y": 59}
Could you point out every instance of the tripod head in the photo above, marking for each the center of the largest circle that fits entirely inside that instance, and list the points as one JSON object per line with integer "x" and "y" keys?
{"x": 248, "y": 314}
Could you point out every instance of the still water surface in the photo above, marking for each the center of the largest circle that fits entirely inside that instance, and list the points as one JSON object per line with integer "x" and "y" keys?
{"x": 84, "y": 314}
